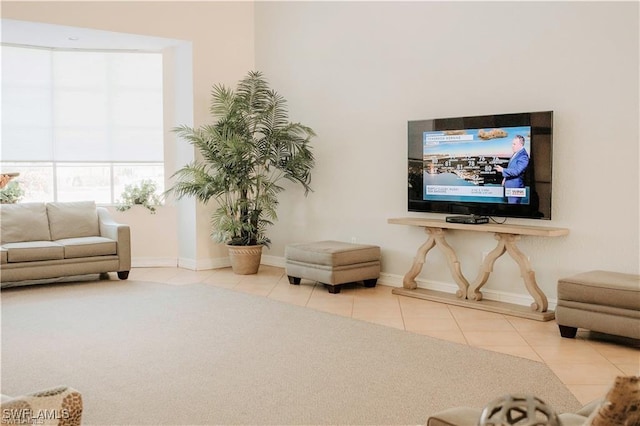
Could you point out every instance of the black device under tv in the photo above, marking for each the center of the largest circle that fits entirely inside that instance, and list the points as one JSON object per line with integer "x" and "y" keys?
{"x": 452, "y": 166}
{"x": 469, "y": 220}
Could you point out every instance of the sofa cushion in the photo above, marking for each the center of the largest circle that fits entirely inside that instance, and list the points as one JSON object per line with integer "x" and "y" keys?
{"x": 29, "y": 251}
{"x": 87, "y": 246}
{"x": 73, "y": 219}
{"x": 3, "y": 255}
{"x": 23, "y": 222}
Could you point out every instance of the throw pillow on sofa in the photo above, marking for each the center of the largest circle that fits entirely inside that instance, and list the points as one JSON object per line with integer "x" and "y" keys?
{"x": 621, "y": 406}
{"x": 73, "y": 219}
{"x": 24, "y": 222}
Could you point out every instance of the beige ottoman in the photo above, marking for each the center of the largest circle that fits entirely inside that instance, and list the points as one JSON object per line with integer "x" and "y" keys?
{"x": 603, "y": 301}
{"x": 333, "y": 263}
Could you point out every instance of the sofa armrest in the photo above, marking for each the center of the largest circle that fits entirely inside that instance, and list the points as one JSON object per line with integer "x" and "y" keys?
{"x": 119, "y": 232}
{"x": 590, "y": 407}
{"x": 61, "y": 405}
{"x": 458, "y": 416}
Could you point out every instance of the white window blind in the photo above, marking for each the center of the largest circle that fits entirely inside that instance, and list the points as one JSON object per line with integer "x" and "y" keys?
{"x": 79, "y": 106}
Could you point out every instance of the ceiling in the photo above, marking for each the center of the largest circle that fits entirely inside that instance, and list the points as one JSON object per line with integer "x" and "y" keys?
{"x": 64, "y": 37}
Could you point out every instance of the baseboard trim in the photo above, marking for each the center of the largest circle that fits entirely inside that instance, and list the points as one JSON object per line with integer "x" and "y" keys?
{"x": 391, "y": 280}
{"x": 154, "y": 262}
{"x": 277, "y": 261}
{"x": 204, "y": 264}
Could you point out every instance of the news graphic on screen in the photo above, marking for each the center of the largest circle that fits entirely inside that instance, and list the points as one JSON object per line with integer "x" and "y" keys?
{"x": 477, "y": 165}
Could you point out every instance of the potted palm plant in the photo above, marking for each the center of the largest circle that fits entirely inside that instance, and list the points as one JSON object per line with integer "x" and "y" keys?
{"x": 246, "y": 154}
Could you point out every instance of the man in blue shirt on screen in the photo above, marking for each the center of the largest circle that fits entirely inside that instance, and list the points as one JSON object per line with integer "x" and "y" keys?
{"x": 513, "y": 174}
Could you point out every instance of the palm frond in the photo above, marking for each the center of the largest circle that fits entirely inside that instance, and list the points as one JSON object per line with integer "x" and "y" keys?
{"x": 245, "y": 153}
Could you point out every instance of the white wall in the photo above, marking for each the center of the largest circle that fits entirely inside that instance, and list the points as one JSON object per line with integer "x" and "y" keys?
{"x": 220, "y": 36}
{"x": 356, "y": 72}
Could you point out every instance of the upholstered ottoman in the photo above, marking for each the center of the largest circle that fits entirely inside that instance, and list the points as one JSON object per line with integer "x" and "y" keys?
{"x": 333, "y": 263}
{"x": 607, "y": 302}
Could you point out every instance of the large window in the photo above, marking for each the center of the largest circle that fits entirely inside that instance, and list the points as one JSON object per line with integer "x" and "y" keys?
{"x": 80, "y": 125}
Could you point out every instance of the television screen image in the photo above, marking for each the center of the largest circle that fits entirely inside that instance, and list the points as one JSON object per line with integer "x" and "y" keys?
{"x": 491, "y": 165}
{"x": 462, "y": 165}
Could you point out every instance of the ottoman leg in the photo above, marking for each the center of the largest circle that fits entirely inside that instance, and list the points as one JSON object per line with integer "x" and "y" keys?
{"x": 370, "y": 283}
{"x": 293, "y": 280}
{"x": 568, "y": 332}
{"x": 334, "y": 289}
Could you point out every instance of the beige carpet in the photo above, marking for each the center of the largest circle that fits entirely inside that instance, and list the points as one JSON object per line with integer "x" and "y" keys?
{"x": 145, "y": 353}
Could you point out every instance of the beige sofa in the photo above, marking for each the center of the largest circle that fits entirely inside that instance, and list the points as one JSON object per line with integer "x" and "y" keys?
{"x": 467, "y": 416}
{"x": 52, "y": 240}
{"x": 617, "y": 408}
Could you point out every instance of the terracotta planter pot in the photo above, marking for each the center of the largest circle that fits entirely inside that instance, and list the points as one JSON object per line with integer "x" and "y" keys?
{"x": 245, "y": 260}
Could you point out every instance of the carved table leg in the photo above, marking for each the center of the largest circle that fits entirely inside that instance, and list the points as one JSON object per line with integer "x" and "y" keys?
{"x": 485, "y": 270}
{"x": 507, "y": 242}
{"x": 409, "y": 281}
{"x": 436, "y": 237}
{"x": 529, "y": 277}
{"x": 452, "y": 261}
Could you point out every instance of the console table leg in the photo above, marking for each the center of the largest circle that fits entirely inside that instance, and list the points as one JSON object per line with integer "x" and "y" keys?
{"x": 452, "y": 260}
{"x": 436, "y": 237}
{"x": 409, "y": 281}
{"x": 540, "y": 300}
{"x": 485, "y": 270}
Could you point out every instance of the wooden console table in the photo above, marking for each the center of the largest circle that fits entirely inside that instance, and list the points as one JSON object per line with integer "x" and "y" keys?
{"x": 468, "y": 294}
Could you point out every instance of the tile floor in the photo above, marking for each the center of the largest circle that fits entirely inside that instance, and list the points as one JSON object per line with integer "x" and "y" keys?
{"x": 587, "y": 365}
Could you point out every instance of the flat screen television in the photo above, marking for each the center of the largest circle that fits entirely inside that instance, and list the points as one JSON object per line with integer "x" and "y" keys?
{"x": 490, "y": 165}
